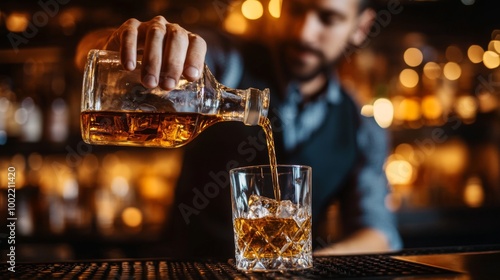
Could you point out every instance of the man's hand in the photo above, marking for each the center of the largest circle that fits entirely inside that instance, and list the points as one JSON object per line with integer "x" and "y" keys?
{"x": 169, "y": 50}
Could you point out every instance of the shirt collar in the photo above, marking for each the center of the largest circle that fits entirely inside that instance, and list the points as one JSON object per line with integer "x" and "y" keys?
{"x": 331, "y": 95}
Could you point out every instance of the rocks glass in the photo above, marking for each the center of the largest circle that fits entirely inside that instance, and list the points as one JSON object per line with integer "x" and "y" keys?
{"x": 269, "y": 234}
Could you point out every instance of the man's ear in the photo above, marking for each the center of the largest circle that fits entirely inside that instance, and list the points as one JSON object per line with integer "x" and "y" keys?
{"x": 365, "y": 22}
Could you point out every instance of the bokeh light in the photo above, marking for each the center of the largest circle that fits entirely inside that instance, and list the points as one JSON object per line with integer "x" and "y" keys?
{"x": 120, "y": 186}
{"x": 274, "y": 8}
{"x": 367, "y": 110}
{"x": 466, "y": 107}
{"x": 409, "y": 109}
{"x": 491, "y": 59}
{"x": 494, "y": 46}
{"x": 132, "y": 217}
{"x": 473, "y": 192}
{"x": 399, "y": 172}
{"x": 413, "y": 57}
{"x": 383, "y": 112}
{"x": 235, "y": 23}
{"x": 17, "y": 22}
{"x": 475, "y": 53}
{"x": 431, "y": 107}
{"x": 452, "y": 71}
{"x": 432, "y": 70}
{"x": 252, "y": 9}
{"x": 409, "y": 78}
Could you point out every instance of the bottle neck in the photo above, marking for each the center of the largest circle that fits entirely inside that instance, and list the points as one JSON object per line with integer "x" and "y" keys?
{"x": 249, "y": 106}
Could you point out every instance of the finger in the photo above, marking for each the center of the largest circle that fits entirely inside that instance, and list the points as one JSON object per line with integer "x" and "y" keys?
{"x": 174, "y": 56}
{"x": 195, "y": 57}
{"x": 128, "y": 43}
{"x": 153, "y": 49}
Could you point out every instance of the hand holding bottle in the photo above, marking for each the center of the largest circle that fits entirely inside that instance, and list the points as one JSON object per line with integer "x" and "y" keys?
{"x": 168, "y": 50}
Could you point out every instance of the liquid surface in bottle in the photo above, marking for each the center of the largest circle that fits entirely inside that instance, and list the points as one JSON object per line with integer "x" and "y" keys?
{"x": 168, "y": 130}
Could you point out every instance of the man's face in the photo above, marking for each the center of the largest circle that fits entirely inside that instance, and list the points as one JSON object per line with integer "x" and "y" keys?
{"x": 312, "y": 34}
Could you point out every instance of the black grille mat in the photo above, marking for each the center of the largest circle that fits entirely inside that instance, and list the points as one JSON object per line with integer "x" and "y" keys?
{"x": 341, "y": 267}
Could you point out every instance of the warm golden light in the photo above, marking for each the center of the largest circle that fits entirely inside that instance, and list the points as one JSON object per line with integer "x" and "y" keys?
{"x": 452, "y": 71}
{"x": 396, "y": 103}
{"x": 450, "y": 158}
{"x": 252, "y": 9}
{"x": 473, "y": 192}
{"x": 466, "y": 107}
{"x": 154, "y": 187}
{"x": 409, "y": 153}
{"x": 120, "y": 186}
{"x": 408, "y": 78}
{"x": 367, "y": 110}
{"x": 409, "y": 109}
{"x": 491, "y": 59}
{"x": 432, "y": 70}
{"x": 431, "y": 107}
{"x": 487, "y": 102}
{"x": 69, "y": 188}
{"x": 383, "y": 112}
{"x": 494, "y": 45}
{"x": 132, "y": 217}
{"x": 413, "y": 57}
{"x": 17, "y": 22}
{"x": 475, "y": 54}
{"x": 235, "y": 23}
{"x": 275, "y": 8}
{"x": 399, "y": 172}
{"x": 405, "y": 150}
{"x": 106, "y": 205}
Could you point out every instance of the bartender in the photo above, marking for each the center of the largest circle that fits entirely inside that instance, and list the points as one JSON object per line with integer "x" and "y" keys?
{"x": 315, "y": 122}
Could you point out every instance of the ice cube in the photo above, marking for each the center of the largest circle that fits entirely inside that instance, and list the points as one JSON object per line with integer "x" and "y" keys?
{"x": 286, "y": 209}
{"x": 302, "y": 215}
{"x": 260, "y": 206}
{"x": 141, "y": 100}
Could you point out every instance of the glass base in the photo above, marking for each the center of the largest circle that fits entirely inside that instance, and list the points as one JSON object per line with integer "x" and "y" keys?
{"x": 274, "y": 264}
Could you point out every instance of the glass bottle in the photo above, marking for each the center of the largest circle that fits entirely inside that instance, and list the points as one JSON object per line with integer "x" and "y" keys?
{"x": 117, "y": 110}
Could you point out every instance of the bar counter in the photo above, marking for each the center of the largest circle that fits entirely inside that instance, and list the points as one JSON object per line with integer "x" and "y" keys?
{"x": 457, "y": 262}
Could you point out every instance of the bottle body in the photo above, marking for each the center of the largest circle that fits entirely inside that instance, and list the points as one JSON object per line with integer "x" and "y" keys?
{"x": 117, "y": 110}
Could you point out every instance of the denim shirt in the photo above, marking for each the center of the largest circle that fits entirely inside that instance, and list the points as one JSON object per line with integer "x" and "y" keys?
{"x": 300, "y": 123}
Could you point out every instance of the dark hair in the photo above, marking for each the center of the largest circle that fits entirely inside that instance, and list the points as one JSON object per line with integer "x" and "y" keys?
{"x": 364, "y": 4}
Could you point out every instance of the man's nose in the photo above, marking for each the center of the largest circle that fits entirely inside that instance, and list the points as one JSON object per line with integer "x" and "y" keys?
{"x": 307, "y": 27}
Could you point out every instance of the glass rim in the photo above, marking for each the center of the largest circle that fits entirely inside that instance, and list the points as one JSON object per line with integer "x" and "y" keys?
{"x": 264, "y": 166}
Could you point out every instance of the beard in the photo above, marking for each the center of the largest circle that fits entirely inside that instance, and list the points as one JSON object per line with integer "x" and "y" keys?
{"x": 299, "y": 69}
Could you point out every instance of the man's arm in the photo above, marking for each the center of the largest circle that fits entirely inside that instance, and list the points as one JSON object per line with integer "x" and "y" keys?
{"x": 168, "y": 50}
